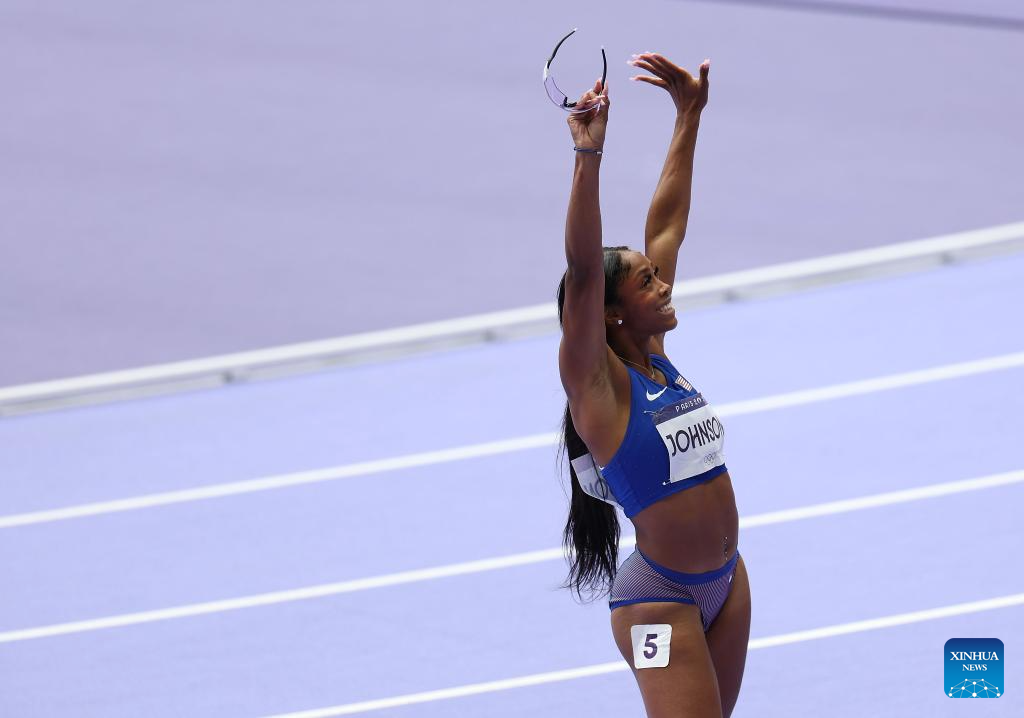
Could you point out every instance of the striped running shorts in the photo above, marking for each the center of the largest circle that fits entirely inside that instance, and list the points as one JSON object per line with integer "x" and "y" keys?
{"x": 641, "y": 580}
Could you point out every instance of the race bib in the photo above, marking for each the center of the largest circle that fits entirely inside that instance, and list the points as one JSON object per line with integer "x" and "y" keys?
{"x": 693, "y": 437}
{"x": 591, "y": 481}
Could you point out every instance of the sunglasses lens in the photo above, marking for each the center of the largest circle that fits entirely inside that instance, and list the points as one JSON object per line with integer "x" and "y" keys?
{"x": 560, "y": 98}
{"x": 556, "y": 95}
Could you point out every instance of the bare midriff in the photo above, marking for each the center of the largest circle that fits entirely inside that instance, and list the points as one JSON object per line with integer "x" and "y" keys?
{"x": 693, "y": 531}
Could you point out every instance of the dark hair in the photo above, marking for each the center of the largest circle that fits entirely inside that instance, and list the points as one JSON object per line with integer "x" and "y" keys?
{"x": 591, "y": 535}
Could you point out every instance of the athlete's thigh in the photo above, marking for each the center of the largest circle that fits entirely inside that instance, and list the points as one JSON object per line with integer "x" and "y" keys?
{"x": 687, "y": 685}
{"x": 728, "y": 636}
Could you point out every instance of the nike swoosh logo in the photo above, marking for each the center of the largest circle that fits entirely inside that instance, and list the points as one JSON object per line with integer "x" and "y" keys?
{"x": 652, "y": 397}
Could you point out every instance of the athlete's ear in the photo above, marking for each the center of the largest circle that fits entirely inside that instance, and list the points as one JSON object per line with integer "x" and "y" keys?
{"x": 612, "y": 316}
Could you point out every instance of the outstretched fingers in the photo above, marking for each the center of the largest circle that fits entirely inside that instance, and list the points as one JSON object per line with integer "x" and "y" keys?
{"x": 662, "y": 66}
{"x": 660, "y": 62}
{"x": 639, "y": 61}
{"x": 658, "y": 82}
{"x": 643, "y": 62}
{"x": 687, "y": 91}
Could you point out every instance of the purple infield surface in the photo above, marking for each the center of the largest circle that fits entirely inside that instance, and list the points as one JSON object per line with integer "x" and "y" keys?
{"x": 346, "y": 645}
{"x": 181, "y": 181}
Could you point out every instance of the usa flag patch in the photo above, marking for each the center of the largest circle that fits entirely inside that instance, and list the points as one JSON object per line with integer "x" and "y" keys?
{"x": 683, "y": 383}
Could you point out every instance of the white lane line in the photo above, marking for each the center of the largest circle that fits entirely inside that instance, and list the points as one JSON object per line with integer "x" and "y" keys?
{"x": 870, "y": 386}
{"x": 598, "y": 669}
{"x": 281, "y": 481}
{"x": 278, "y": 597}
{"x": 479, "y": 328}
{"x": 522, "y": 443}
{"x": 886, "y": 499}
{"x": 489, "y": 564}
{"x": 902, "y": 619}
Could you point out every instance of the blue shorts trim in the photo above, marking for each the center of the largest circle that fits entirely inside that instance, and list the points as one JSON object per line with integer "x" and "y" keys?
{"x": 616, "y": 604}
{"x": 691, "y": 578}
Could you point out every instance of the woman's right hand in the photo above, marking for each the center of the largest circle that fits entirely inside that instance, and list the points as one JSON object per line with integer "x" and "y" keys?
{"x": 588, "y": 127}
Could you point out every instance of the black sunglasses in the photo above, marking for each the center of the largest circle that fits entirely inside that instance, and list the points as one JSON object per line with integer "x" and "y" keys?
{"x": 556, "y": 95}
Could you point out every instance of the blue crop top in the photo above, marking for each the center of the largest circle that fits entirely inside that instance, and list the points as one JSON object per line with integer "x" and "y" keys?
{"x": 674, "y": 441}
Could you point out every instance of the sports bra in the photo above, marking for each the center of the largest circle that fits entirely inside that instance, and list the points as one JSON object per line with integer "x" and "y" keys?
{"x": 674, "y": 441}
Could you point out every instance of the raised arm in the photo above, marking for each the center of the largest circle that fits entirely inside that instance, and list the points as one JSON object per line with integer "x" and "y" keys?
{"x": 582, "y": 356}
{"x": 670, "y": 208}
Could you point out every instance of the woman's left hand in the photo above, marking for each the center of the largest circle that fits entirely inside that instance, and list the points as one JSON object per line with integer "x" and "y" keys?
{"x": 689, "y": 93}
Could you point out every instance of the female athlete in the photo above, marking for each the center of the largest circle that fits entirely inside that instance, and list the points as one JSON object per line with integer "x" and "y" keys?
{"x": 641, "y": 437}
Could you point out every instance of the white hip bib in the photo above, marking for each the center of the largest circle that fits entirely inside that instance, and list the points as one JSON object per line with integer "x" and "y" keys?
{"x": 591, "y": 481}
